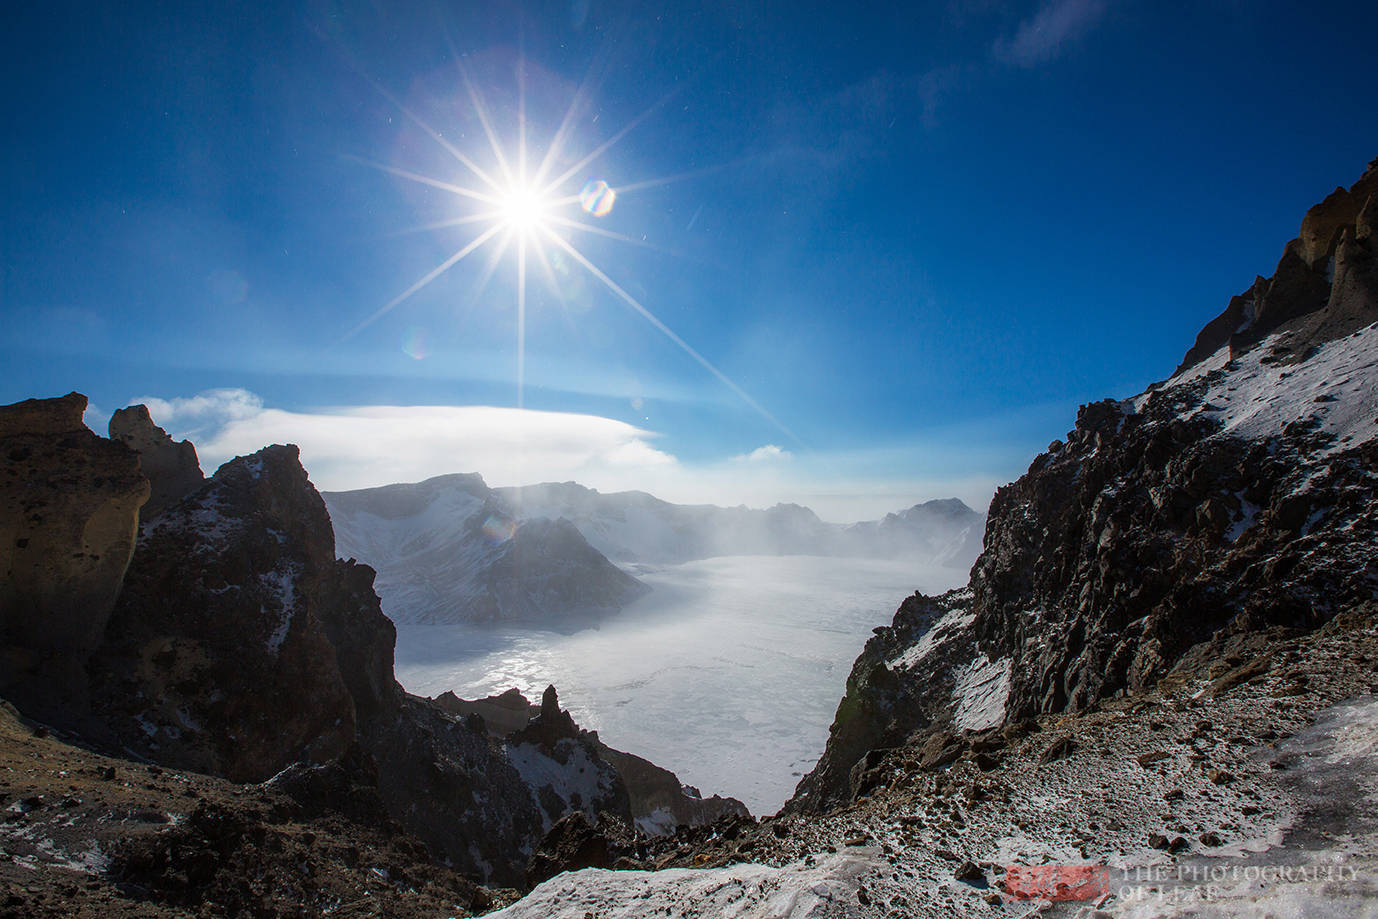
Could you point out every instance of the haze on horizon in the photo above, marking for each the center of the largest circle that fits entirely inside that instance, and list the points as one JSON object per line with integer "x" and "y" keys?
{"x": 851, "y": 258}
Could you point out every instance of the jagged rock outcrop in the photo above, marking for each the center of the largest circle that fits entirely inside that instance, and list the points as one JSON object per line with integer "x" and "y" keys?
{"x": 218, "y": 659}
{"x": 643, "y": 795}
{"x": 1327, "y": 274}
{"x": 1185, "y": 525}
{"x": 502, "y": 714}
{"x": 565, "y": 768}
{"x": 69, "y": 511}
{"x": 446, "y": 782}
{"x": 659, "y": 802}
{"x": 171, "y": 466}
{"x": 241, "y": 646}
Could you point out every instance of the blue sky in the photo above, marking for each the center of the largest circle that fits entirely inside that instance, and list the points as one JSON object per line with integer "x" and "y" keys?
{"x": 916, "y": 237}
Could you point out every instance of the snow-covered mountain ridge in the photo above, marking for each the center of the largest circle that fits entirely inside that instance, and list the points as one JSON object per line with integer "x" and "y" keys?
{"x": 451, "y": 549}
{"x": 633, "y": 526}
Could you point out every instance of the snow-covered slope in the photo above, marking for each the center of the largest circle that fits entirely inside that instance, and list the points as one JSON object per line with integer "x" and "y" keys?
{"x": 823, "y": 888}
{"x": 447, "y": 550}
{"x": 1333, "y": 392}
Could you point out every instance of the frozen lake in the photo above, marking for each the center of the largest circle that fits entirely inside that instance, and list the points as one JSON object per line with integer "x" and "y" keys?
{"x": 728, "y": 672}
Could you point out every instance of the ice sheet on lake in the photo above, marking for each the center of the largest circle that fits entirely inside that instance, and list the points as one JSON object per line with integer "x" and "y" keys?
{"x": 743, "y": 656}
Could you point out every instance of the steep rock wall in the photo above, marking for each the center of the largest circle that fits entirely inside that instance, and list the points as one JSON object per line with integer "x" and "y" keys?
{"x": 1237, "y": 498}
{"x": 69, "y": 511}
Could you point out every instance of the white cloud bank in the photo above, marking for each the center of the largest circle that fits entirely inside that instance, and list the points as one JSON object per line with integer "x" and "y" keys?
{"x": 364, "y": 446}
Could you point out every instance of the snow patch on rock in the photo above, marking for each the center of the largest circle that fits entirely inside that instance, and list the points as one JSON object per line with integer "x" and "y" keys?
{"x": 659, "y": 822}
{"x": 943, "y": 630}
{"x": 981, "y": 692}
{"x": 282, "y": 585}
{"x": 570, "y": 773}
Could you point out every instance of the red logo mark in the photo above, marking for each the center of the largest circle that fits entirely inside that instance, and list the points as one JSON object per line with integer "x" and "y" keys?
{"x": 1056, "y": 882}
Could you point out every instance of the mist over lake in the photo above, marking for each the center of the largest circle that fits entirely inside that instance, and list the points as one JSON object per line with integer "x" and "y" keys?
{"x": 728, "y": 672}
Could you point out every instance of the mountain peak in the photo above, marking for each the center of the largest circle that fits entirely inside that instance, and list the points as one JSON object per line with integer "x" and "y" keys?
{"x": 1325, "y": 285}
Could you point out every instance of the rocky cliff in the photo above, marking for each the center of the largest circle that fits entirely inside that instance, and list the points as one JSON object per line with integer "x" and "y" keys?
{"x": 217, "y": 658}
{"x": 69, "y": 511}
{"x": 240, "y": 645}
{"x": 546, "y": 741}
{"x": 237, "y": 644}
{"x": 172, "y": 468}
{"x": 1186, "y": 525}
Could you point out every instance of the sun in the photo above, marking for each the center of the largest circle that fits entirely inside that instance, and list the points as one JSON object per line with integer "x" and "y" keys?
{"x": 518, "y": 207}
{"x": 525, "y": 210}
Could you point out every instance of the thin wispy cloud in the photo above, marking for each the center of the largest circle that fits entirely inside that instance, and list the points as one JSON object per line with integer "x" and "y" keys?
{"x": 1043, "y": 36}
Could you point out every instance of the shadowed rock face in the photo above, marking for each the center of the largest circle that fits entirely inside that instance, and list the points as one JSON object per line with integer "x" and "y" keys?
{"x": 643, "y": 794}
{"x": 69, "y": 510}
{"x": 218, "y": 659}
{"x": 171, "y": 466}
{"x": 241, "y": 645}
{"x": 1174, "y": 529}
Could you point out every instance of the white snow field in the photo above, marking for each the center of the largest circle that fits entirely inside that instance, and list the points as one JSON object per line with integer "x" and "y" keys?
{"x": 728, "y": 672}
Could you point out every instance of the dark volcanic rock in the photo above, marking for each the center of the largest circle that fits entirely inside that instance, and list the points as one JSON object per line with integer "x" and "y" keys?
{"x": 574, "y": 843}
{"x": 171, "y": 466}
{"x": 1327, "y": 275}
{"x": 218, "y": 659}
{"x": 659, "y": 801}
{"x": 502, "y": 714}
{"x": 446, "y": 782}
{"x": 241, "y": 646}
{"x": 1172, "y": 530}
{"x": 69, "y": 510}
{"x": 880, "y": 707}
{"x": 633, "y": 790}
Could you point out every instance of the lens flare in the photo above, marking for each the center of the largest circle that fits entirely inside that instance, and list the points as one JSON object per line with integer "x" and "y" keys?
{"x": 498, "y": 530}
{"x": 597, "y": 198}
{"x": 414, "y": 344}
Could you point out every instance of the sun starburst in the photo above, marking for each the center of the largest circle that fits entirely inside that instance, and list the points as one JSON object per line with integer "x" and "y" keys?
{"x": 521, "y": 208}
